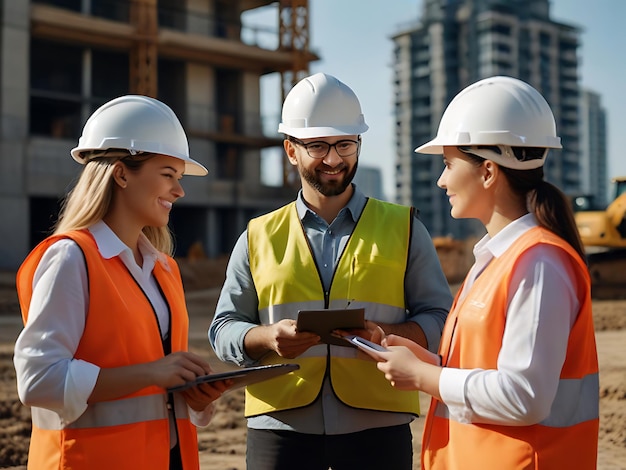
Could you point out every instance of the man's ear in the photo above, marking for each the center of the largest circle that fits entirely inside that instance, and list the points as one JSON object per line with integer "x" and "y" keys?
{"x": 290, "y": 150}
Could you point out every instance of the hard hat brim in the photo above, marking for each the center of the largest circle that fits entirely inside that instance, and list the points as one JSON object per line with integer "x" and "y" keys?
{"x": 192, "y": 167}
{"x": 313, "y": 132}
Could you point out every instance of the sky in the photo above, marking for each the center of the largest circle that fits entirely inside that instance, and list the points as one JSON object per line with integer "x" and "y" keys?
{"x": 353, "y": 40}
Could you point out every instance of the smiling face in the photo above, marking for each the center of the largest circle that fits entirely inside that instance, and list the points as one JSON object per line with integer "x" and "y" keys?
{"x": 149, "y": 191}
{"x": 328, "y": 176}
{"x": 464, "y": 182}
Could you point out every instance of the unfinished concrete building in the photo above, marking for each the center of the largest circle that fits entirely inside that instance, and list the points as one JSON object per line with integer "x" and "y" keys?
{"x": 61, "y": 59}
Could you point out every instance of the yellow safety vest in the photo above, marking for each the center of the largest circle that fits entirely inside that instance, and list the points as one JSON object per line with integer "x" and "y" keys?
{"x": 369, "y": 274}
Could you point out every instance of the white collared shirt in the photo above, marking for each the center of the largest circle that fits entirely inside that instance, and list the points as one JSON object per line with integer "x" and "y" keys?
{"x": 542, "y": 309}
{"x": 48, "y": 375}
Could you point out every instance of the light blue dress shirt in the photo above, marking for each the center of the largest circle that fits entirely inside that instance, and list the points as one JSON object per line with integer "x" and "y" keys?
{"x": 428, "y": 300}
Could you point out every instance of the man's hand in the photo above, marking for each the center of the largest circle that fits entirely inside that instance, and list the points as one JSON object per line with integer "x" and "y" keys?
{"x": 287, "y": 341}
{"x": 372, "y": 332}
{"x": 282, "y": 337}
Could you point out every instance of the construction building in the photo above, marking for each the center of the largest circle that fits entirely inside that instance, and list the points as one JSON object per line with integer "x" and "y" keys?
{"x": 456, "y": 43}
{"x": 61, "y": 59}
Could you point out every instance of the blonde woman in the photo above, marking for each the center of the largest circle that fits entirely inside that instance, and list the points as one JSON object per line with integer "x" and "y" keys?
{"x": 103, "y": 305}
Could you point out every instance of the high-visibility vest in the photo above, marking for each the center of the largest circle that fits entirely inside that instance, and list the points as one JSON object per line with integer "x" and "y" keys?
{"x": 121, "y": 329}
{"x": 472, "y": 338}
{"x": 369, "y": 274}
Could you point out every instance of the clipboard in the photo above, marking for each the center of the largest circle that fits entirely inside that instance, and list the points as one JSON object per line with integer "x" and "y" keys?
{"x": 241, "y": 377}
{"x": 323, "y": 322}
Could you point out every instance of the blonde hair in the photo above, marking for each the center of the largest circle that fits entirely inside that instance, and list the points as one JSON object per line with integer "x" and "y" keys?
{"x": 90, "y": 199}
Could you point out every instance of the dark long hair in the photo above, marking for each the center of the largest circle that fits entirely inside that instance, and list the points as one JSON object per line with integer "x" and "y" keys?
{"x": 551, "y": 207}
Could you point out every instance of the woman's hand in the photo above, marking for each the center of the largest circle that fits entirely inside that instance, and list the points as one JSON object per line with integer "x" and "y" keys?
{"x": 420, "y": 352}
{"x": 401, "y": 367}
{"x": 202, "y": 395}
{"x": 408, "y": 366}
{"x": 174, "y": 369}
{"x": 178, "y": 368}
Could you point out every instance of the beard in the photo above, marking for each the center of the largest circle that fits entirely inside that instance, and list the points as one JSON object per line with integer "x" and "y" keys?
{"x": 332, "y": 188}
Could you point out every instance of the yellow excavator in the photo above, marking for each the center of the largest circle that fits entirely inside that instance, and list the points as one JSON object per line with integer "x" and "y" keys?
{"x": 603, "y": 232}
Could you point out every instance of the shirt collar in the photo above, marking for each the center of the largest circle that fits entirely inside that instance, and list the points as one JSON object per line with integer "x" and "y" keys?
{"x": 355, "y": 205}
{"x": 505, "y": 237}
{"x": 109, "y": 244}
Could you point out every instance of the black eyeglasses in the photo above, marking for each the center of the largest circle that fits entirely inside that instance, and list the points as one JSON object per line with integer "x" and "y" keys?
{"x": 319, "y": 148}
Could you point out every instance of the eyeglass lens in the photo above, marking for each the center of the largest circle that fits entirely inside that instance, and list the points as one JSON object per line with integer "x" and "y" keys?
{"x": 344, "y": 148}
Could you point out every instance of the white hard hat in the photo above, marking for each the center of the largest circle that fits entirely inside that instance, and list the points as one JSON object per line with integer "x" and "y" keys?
{"x": 138, "y": 124}
{"x": 501, "y": 112}
{"x": 321, "y": 106}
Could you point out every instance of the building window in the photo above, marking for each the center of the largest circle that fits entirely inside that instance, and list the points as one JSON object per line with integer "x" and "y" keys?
{"x": 505, "y": 48}
{"x": 57, "y": 118}
{"x": 171, "y": 77}
{"x": 55, "y": 67}
{"x": 228, "y": 162}
{"x": 56, "y": 89}
{"x": 74, "y": 5}
{"x": 116, "y": 10}
{"x": 110, "y": 74}
{"x": 228, "y": 228}
{"x": 172, "y": 15}
{"x": 43, "y": 214}
{"x": 502, "y": 29}
{"x": 188, "y": 235}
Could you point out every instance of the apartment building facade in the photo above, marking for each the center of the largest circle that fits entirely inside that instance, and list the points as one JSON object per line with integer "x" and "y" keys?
{"x": 593, "y": 148}
{"x": 61, "y": 59}
{"x": 455, "y": 43}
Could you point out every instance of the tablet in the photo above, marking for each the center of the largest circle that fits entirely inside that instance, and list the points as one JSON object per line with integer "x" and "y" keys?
{"x": 241, "y": 377}
{"x": 323, "y": 322}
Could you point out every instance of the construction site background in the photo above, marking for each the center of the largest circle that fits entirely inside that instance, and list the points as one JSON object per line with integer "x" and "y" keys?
{"x": 200, "y": 272}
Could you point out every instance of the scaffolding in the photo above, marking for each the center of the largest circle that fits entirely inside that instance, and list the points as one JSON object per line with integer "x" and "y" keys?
{"x": 144, "y": 51}
{"x": 294, "y": 37}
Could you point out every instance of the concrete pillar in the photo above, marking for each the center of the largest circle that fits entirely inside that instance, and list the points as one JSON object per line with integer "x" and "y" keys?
{"x": 14, "y": 93}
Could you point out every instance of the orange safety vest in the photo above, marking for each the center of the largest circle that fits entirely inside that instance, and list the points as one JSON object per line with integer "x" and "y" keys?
{"x": 568, "y": 437}
{"x": 131, "y": 432}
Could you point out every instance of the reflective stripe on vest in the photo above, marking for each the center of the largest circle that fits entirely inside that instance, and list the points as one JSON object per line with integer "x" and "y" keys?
{"x": 576, "y": 401}
{"x": 108, "y": 432}
{"x": 369, "y": 274}
{"x": 472, "y": 337}
{"x": 113, "y": 413}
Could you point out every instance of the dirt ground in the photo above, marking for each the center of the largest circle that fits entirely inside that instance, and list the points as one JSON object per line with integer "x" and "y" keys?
{"x": 222, "y": 443}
